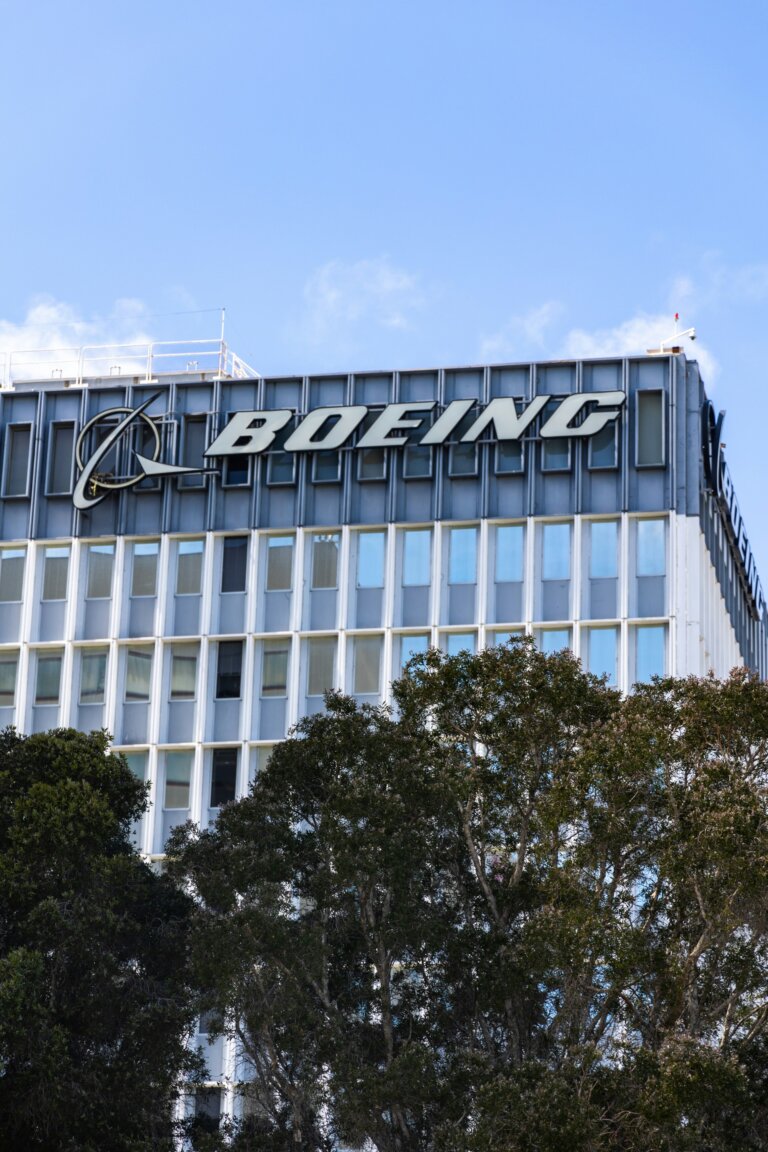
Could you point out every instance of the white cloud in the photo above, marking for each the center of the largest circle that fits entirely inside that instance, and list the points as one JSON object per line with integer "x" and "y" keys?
{"x": 636, "y": 335}
{"x": 45, "y": 341}
{"x": 521, "y": 334}
{"x": 343, "y": 298}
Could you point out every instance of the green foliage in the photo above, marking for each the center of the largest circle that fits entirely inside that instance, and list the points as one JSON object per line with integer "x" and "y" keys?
{"x": 517, "y": 914}
{"x": 92, "y": 955}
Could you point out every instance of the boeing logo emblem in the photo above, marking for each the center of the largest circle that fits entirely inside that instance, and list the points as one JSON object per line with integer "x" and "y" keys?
{"x": 251, "y": 433}
{"x": 92, "y": 485}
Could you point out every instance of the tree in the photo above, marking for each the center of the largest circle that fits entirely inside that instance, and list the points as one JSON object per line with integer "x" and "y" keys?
{"x": 517, "y": 913}
{"x": 93, "y": 999}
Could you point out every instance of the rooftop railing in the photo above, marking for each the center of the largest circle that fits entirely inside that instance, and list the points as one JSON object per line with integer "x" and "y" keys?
{"x": 78, "y": 367}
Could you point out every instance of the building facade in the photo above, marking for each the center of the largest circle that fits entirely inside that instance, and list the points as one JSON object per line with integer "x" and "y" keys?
{"x": 191, "y": 556}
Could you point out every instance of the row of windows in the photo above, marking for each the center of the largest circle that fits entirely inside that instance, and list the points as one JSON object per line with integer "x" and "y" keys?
{"x": 600, "y": 648}
{"x": 372, "y": 463}
{"x": 370, "y": 567}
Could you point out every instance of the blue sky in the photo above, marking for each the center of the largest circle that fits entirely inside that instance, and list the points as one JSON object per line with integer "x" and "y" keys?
{"x": 373, "y": 185}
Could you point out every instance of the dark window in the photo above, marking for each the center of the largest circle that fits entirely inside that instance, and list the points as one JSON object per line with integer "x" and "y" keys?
{"x": 234, "y": 560}
{"x": 274, "y": 673}
{"x": 509, "y": 457}
{"x": 650, "y": 429}
{"x": 229, "y": 669}
{"x": 326, "y": 467}
{"x": 12, "y": 573}
{"x": 194, "y": 443}
{"x": 281, "y": 468}
{"x": 208, "y": 1109}
{"x": 19, "y": 442}
{"x": 603, "y": 451}
{"x": 60, "y": 457}
{"x": 48, "y": 680}
{"x": 417, "y": 461}
{"x": 8, "y": 667}
{"x": 223, "y": 776}
{"x": 462, "y": 460}
{"x": 371, "y": 462}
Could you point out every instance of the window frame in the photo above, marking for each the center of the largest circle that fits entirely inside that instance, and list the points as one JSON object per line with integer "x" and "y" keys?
{"x": 661, "y": 394}
{"x": 221, "y": 674}
{"x": 53, "y": 428}
{"x": 10, "y": 431}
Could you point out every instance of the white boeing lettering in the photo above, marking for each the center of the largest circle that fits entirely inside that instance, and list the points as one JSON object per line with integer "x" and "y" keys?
{"x": 560, "y": 422}
{"x": 445, "y": 424}
{"x": 347, "y": 419}
{"x": 394, "y": 418}
{"x": 249, "y": 432}
{"x": 508, "y": 423}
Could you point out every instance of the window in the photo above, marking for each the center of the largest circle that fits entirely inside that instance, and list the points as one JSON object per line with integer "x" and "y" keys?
{"x": 603, "y": 447}
{"x": 554, "y": 640}
{"x": 9, "y": 663}
{"x": 138, "y": 674}
{"x": 194, "y": 443}
{"x": 370, "y": 559}
{"x": 234, "y": 563}
{"x": 322, "y": 657}
{"x": 229, "y": 669}
{"x": 281, "y": 468}
{"x": 55, "y": 572}
{"x": 417, "y": 461}
{"x": 603, "y": 550}
{"x": 236, "y": 470}
{"x": 60, "y": 456}
{"x": 144, "y": 576}
{"x": 413, "y": 645}
{"x": 367, "y": 665}
{"x": 456, "y": 642}
{"x": 48, "y": 683}
{"x": 462, "y": 460}
{"x": 509, "y": 554}
{"x": 274, "y": 668}
{"x": 93, "y": 675}
{"x": 208, "y": 1109}
{"x": 18, "y": 458}
{"x": 371, "y": 462}
{"x": 223, "y": 776}
{"x": 650, "y": 652}
{"x": 555, "y": 453}
{"x": 183, "y": 673}
{"x": 651, "y": 548}
{"x": 279, "y": 563}
{"x": 494, "y": 639}
{"x": 650, "y": 429}
{"x": 462, "y": 562}
{"x": 556, "y": 548}
{"x": 509, "y": 457}
{"x": 326, "y": 467}
{"x": 602, "y": 649}
{"x": 417, "y": 556}
{"x": 12, "y": 573}
{"x": 178, "y": 775}
{"x": 325, "y": 561}
{"x": 189, "y": 568}
{"x": 100, "y": 562}
{"x": 137, "y": 762}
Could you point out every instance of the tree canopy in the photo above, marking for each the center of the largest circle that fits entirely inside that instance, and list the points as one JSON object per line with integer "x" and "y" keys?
{"x": 94, "y": 1003}
{"x": 516, "y": 912}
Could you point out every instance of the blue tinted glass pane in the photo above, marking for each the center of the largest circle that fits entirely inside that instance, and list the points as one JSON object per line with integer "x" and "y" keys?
{"x": 651, "y": 551}
{"x": 603, "y": 555}
{"x": 557, "y": 552}
{"x": 649, "y": 660}
{"x": 370, "y": 560}
{"x": 456, "y": 642}
{"x": 602, "y": 653}
{"x": 463, "y": 557}
{"x": 554, "y": 640}
{"x": 416, "y": 556}
{"x": 412, "y": 646}
{"x": 602, "y": 447}
{"x": 509, "y": 552}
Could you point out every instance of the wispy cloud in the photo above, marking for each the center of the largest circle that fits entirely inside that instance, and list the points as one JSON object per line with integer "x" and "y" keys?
{"x": 343, "y": 300}
{"x": 522, "y": 335}
{"x": 39, "y": 343}
{"x": 636, "y": 335}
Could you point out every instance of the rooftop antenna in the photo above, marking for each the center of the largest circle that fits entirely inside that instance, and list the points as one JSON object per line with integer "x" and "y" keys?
{"x": 672, "y": 341}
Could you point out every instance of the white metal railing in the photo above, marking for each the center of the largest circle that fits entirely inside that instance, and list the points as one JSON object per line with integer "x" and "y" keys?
{"x": 77, "y": 367}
